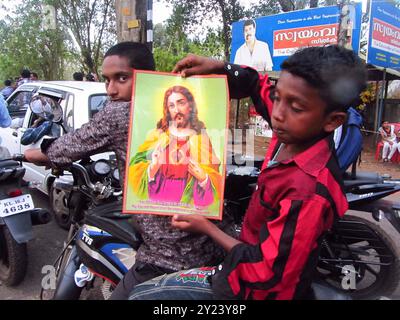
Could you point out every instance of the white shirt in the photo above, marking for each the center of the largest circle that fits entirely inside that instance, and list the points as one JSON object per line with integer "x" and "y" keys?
{"x": 260, "y": 59}
{"x": 391, "y": 136}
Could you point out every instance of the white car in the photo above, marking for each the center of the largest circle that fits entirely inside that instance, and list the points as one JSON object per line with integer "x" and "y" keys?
{"x": 79, "y": 101}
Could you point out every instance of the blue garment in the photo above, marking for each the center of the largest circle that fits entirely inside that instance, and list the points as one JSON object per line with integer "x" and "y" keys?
{"x": 6, "y": 92}
{"x": 182, "y": 285}
{"x": 5, "y": 119}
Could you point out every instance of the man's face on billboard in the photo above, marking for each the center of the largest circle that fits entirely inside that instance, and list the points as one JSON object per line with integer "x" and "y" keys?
{"x": 249, "y": 33}
{"x": 179, "y": 110}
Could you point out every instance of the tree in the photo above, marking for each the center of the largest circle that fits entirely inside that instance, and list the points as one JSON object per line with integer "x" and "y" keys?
{"x": 263, "y": 8}
{"x": 171, "y": 42}
{"x": 26, "y": 42}
{"x": 291, "y": 5}
{"x": 92, "y": 24}
{"x": 197, "y": 12}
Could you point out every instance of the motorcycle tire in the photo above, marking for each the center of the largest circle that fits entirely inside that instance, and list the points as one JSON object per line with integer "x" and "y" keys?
{"x": 50, "y": 293}
{"x": 58, "y": 202}
{"x": 366, "y": 240}
{"x": 13, "y": 259}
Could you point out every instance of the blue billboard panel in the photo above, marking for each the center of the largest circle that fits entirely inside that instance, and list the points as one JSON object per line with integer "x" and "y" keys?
{"x": 384, "y": 35}
{"x": 265, "y": 44}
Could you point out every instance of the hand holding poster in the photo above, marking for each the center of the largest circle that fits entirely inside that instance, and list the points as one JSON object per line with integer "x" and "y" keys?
{"x": 176, "y": 147}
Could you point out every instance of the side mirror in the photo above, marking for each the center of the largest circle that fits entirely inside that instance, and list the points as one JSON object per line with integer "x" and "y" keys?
{"x": 46, "y": 108}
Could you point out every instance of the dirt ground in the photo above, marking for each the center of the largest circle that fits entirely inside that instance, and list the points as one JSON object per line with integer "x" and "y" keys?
{"x": 368, "y": 163}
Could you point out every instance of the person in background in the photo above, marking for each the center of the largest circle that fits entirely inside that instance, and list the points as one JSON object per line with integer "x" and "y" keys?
{"x": 25, "y": 77}
{"x": 91, "y": 77}
{"x": 34, "y": 76}
{"x": 7, "y": 90}
{"x": 78, "y": 76}
{"x": 389, "y": 140}
{"x": 5, "y": 119}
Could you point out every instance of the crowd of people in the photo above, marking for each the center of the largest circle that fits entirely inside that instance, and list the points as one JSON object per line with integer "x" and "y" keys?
{"x": 10, "y": 85}
{"x": 27, "y": 76}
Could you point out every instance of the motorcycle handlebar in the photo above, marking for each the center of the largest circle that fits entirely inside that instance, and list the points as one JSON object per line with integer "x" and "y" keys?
{"x": 19, "y": 157}
{"x": 84, "y": 173}
{"x": 82, "y": 170}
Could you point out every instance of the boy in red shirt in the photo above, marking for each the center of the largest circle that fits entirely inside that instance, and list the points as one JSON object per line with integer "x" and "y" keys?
{"x": 299, "y": 191}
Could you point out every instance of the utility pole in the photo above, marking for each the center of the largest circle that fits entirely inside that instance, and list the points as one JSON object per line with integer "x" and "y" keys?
{"x": 345, "y": 29}
{"x": 134, "y": 20}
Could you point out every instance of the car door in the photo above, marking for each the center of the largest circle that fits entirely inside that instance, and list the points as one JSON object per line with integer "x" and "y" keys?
{"x": 38, "y": 174}
{"x": 18, "y": 105}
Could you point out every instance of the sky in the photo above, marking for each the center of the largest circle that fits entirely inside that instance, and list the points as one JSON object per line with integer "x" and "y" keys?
{"x": 161, "y": 10}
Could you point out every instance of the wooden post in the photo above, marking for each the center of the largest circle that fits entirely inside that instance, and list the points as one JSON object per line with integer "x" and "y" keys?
{"x": 131, "y": 20}
{"x": 345, "y": 24}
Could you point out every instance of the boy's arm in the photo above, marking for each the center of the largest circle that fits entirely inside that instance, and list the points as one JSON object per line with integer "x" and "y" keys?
{"x": 200, "y": 224}
{"x": 243, "y": 81}
{"x": 92, "y": 138}
{"x": 288, "y": 249}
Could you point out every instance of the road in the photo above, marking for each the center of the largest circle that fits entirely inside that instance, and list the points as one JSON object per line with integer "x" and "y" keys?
{"x": 48, "y": 242}
{"x": 42, "y": 250}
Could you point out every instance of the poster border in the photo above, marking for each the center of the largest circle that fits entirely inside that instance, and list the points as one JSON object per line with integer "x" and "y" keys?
{"x": 128, "y": 149}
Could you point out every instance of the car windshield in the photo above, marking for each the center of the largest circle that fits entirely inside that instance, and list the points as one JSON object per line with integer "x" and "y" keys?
{"x": 96, "y": 103}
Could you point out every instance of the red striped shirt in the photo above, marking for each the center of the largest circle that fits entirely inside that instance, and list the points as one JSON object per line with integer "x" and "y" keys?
{"x": 294, "y": 204}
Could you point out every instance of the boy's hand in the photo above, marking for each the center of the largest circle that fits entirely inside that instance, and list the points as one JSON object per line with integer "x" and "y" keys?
{"x": 197, "y": 65}
{"x": 191, "y": 223}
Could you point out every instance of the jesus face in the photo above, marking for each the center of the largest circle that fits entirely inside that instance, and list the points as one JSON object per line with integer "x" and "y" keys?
{"x": 179, "y": 110}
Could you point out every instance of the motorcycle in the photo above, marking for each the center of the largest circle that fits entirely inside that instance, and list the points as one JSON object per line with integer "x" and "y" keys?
{"x": 355, "y": 248}
{"x": 102, "y": 241}
{"x": 17, "y": 216}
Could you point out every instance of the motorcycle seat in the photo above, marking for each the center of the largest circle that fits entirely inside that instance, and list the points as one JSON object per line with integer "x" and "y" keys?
{"x": 119, "y": 228}
{"x": 361, "y": 178}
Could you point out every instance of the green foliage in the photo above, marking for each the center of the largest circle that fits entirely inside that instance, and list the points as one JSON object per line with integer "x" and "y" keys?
{"x": 263, "y": 8}
{"x": 195, "y": 14}
{"x": 93, "y": 26}
{"x": 25, "y": 42}
{"x": 172, "y": 43}
{"x": 78, "y": 37}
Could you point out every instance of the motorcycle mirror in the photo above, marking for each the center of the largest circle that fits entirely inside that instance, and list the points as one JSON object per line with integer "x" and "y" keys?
{"x": 47, "y": 108}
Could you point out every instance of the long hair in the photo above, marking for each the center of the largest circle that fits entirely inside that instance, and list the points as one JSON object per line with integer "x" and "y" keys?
{"x": 194, "y": 121}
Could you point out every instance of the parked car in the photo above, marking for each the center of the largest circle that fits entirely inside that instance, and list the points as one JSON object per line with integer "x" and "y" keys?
{"x": 79, "y": 101}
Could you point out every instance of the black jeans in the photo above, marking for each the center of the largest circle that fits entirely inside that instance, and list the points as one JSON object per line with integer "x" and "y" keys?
{"x": 140, "y": 272}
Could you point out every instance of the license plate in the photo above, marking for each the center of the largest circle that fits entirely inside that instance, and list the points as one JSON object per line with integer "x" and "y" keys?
{"x": 11, "y": 206}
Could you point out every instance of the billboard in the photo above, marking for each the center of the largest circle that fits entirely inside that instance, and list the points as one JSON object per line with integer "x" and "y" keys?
{"x": 384, "y": 35}
{"x": 279, "y": 36}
